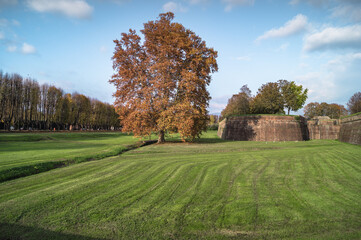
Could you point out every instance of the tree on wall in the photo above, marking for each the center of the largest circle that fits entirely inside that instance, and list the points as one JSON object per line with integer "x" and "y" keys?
{"x": 333, "y": 110}
{"x": 239, "y": 103}
{"x": 161, "y": 82}
{"x": 293, "y": 95}
{"x": 354, "y": 104}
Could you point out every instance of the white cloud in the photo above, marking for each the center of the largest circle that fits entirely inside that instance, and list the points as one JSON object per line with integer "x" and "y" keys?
{"x": 321, "y": 85}
{"x": 15, "y": 22}
{"x": 70, "y": 8}
{"x": 198, "y": 1}
{"x": 330, "y": 38}
{"x": 342, "y": 62}
{"x": 11, "y": 48}
{"x": 28, "y": 49}
{"x": 216, "y": 108}
{"x": 348, "y": 11}
{"x": 334, "y": 80}
{"x": 173, "y": 7}
{"x": 283, "y": 47}
{"x": 233, "y": 3}
{"x": 317, "y": 3}
{"x": 2, "y": 35}
{"x": 103, "y": 49}
{"x": 244, "y": 58}
{"x": 5, "y": 23}
{"x": 217, "y": 104}
{"x": 294, "y": 26}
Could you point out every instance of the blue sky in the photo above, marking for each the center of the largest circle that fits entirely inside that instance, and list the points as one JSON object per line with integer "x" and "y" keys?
{"x": 69, "y": 43}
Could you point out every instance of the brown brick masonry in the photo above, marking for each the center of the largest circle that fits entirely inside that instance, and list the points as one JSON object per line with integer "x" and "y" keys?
{"x": 351, "y": 130}
{"x": 287, "y": 128}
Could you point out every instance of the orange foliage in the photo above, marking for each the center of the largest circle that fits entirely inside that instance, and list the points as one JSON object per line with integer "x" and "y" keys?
{"x": 162, "y": 83}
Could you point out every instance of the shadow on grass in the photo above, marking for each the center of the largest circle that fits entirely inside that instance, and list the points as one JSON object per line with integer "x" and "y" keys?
{"x": 198, "y": 141}
{"x": 211, "y": 140}
{"x": 16, "y": 231}
{"x": 10, "y": 146}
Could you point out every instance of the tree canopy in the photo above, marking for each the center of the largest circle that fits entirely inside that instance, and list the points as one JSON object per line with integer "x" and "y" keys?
{"x": 271, "y": 98}
{"x": 161, "y": 82}
{"x": 354, "y": 104}
{"x": 238, "y": 103}
{"x": 294, "y": 96}
{"x": 332, "y": 110}
{"x": 268, "y": 100}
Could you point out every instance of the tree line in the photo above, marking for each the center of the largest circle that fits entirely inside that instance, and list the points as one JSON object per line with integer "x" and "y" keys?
{"x": 26, "y": 104}
{"x": 272, "y": 98}
{"x": 334, "y": 110}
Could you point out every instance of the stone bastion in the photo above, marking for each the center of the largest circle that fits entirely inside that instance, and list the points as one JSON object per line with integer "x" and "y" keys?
{"x": 262, "y": 128}
{"x": 351, "y": 129}
{"x": 290, "y": 128}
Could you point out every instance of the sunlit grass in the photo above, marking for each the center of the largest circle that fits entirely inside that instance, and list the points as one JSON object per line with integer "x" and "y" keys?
{"x": 23, "y": 154}
{"x": 210, "y": 189}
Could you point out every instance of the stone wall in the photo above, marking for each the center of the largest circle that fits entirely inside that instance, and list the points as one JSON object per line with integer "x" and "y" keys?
{"x": 287, "y": 128}
{"x": 263, "y": 128}
{"x": 323, "y": 128}
{"x": 350, "y": 131}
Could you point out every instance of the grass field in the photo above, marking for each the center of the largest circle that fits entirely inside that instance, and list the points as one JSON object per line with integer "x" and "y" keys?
{"x": 24, "y": 154}
{"x": 206, "y": 190}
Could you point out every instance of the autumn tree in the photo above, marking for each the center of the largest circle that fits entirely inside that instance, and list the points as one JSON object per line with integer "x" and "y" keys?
{"x": 239, "y": 103}
{"x": 354, "y": 104}
{"x": 161, "y": 81}
{"x": 294, "y": 96}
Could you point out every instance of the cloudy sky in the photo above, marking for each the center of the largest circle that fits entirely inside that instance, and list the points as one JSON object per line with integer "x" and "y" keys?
{"x": 69, "y": 43}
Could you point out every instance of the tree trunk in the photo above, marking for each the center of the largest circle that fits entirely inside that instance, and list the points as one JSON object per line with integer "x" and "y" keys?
{"x": 161, "y": 137}
{"x": 289, "y": 111}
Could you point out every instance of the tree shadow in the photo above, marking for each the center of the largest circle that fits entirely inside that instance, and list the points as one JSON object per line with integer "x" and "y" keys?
{"x": 210, "y": 140}
{"x": 241, "y": 130}
{"x": 16, "y": 231}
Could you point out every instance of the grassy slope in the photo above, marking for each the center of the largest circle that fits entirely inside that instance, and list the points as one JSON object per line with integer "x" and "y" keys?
{"x": 26, "y": 153}
{"x": 251, "y": 190}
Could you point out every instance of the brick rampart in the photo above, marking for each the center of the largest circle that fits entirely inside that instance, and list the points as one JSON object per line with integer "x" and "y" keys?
{"x": 263, "y": 128}
{"x": 350, "y": 131}
{"x": 323, "y": 129}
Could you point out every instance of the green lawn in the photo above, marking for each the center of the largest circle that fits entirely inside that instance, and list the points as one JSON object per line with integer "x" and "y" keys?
{"x": 206, "y": 190}
{"x": 24, "y": 152}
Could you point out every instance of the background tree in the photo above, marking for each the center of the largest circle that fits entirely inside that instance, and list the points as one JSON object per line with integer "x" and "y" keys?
{"x": 333, "y": 110}
{"x": 354, "y": 104}
{"x": 294, "y": 96}
{"x": 161, "y": 82}
{"x": 312, "y": 109}
{"x": 239, "y": 103}
{"x": 24, "y": 104}
{"x": 268, "y": 100}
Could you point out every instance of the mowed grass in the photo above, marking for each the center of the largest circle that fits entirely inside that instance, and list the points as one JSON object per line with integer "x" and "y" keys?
{"x": 23, "y": 154}
{"x": 206, "y": 190}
